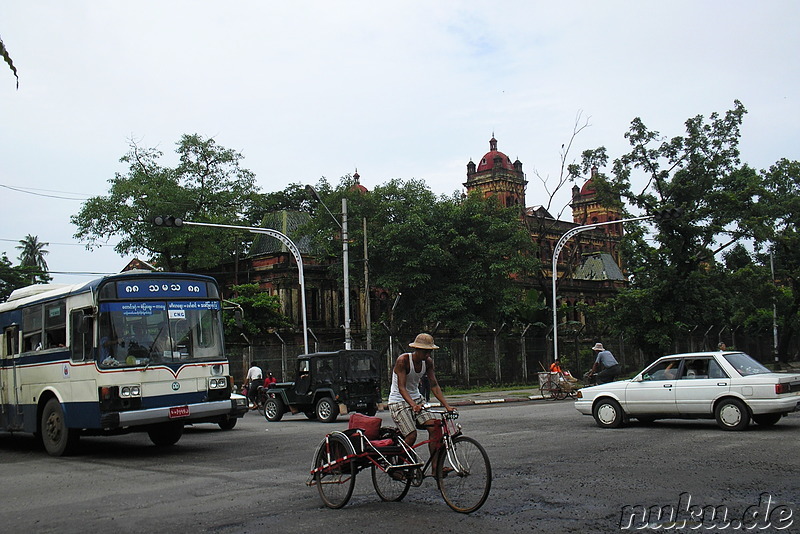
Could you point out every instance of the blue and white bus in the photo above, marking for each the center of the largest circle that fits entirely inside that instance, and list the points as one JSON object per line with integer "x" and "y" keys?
{"x": 137, "y": 351}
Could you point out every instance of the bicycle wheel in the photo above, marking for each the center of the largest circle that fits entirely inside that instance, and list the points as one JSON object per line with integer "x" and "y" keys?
{"x": 559, "y": 393}
{"x": 389, "y": 485}
{"x": 548, "y": 389}
{"x": 335, "y": 482}
{"x": 467, "y": 486}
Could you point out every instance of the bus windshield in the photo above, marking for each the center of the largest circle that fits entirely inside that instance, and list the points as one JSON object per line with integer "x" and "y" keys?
{"x": 140, "y": 333}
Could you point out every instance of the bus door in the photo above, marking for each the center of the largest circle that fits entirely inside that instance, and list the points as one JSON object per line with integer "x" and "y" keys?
{"x": 10, "y": 390}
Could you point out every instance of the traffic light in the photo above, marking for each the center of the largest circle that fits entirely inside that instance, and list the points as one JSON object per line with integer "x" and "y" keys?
{"x": 167, "y": 220}
{"x": 668, "y": 214}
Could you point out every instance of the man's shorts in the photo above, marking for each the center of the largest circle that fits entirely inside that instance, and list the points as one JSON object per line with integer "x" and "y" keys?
{"x": 404, "y": 416}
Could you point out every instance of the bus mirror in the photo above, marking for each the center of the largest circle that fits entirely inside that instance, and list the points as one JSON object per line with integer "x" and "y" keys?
{"x": 238, "y": 317}
{"x": 85, "y": 325}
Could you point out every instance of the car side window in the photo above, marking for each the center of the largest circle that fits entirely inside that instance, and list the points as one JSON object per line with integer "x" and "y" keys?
{"x": 693, "y": 369}
{"x": 666, "y": 370}
{"x": 715, "y": 371}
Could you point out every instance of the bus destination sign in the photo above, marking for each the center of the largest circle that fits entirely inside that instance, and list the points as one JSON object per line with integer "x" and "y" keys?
{"x": 137, "y": 289}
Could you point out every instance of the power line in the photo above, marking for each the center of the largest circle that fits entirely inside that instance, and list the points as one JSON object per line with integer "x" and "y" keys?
{"x": 33, "y": 191}
{"x": 48, "y": 243}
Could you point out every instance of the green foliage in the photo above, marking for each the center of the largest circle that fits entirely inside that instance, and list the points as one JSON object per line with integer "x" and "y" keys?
{"x": 16, "y": 276}
{"x": 208, "y": 185}
{"x": 775, "y": 226}
{"x": 676, "y": 283}
{"x": 32, "y": 252}
{"x": 261, "y": 313}
{"x": 452, "y": 258}
{"x": 7, "y": 59}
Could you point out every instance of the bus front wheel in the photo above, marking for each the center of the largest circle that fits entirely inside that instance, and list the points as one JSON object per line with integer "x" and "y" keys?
{"x": 165, "y": 434}
{"x": 58, "y": 440}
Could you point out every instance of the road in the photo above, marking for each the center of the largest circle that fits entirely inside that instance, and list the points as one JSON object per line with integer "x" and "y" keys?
{"x": 554, "y": 472}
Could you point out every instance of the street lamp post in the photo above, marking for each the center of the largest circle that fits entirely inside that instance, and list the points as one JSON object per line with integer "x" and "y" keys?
{"x": 345, "y": 261}
{"x": 272, "y": 233}
{"x": 557, "y": 250}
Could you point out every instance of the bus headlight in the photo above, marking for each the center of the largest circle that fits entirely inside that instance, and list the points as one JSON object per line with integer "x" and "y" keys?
{"x": 130, "y": 391}
{"x": 218, "y": 383}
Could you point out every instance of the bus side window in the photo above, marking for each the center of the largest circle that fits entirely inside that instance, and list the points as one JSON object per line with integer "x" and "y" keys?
{"x": 81, "y": 330}
{"x": 32, "y": 329}
{"x": 12, "y": 340}
{"x": 55, "y": 325}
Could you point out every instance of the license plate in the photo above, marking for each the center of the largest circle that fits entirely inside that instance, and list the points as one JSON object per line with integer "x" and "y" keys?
{"x": 177, "y": 412}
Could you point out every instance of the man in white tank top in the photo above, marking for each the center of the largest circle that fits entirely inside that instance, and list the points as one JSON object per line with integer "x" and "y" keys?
{"x": 406, "y": 401}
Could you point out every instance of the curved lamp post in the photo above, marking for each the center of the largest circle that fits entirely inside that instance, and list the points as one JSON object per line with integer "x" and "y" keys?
{"x": 557, "y": 250}
{"x": 280, "y": 237}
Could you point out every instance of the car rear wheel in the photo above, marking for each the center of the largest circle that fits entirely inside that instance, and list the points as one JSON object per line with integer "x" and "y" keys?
{"x": 608, "y": 413}
{"x": 327, "y": 410}
{"x": 767, "y": 419}
{"x": 732, "y": 414}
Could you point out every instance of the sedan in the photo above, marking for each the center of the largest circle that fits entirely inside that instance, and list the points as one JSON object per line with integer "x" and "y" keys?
{"x": 730, "y": 387}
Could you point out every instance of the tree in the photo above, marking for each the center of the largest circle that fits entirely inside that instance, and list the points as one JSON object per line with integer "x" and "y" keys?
{"x": 31, "y": 257}
{"x": 13, "y": 277}
{"x": 261, "y": 313}
{"x": 32, "y": 252}
{"x": 7, "y": 59}
{"x": 453, "y": 259}
{"x": 208, "y": 185}
{"x": 776, "y": 228}
{"x": 673, "y": 287}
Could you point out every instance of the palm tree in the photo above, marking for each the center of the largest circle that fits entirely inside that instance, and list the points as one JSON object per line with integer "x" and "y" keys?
{"x": 33, "y": 252}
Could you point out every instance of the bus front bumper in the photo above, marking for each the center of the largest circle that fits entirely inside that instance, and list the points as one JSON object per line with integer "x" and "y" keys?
{"x": 188, "y": 413}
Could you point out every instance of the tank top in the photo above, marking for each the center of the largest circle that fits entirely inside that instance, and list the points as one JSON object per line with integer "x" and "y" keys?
{"x": 412, "y": 382}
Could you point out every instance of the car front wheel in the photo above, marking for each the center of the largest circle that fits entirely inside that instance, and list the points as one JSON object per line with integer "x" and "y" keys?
{"x": 732, "y": 414}
{"x": 608, "y": 413}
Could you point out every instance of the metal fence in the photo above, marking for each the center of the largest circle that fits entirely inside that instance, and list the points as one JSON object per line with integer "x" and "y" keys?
{"x": 483, "y": 356}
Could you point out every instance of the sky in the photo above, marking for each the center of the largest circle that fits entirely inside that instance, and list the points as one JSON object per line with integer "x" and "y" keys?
{"x": 395, "y": 90}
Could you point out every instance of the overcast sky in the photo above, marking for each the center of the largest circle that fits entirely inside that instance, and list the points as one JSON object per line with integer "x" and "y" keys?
{"x": 401, "y": 89}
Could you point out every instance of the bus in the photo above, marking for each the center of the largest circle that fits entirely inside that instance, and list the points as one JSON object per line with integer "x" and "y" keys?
{"x": 136, "y": 351}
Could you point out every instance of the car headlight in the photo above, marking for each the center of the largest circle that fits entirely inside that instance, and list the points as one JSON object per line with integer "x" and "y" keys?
{"x": 218, "y": 383}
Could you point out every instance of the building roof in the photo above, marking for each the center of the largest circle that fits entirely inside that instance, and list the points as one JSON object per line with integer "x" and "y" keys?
{"x": 287, "y": 223}
{"x": 487, "y": 162}
{"x": 599, "y": 266}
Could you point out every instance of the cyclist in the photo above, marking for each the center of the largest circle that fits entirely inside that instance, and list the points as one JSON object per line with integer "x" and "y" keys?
{"x": 253, "y": 379}
{"x": 405, "y": 400}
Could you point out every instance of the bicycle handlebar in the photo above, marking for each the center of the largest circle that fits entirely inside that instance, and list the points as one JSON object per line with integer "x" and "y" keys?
{"x": 447, "y": 415}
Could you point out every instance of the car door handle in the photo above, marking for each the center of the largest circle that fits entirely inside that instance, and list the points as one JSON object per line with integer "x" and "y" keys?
{"x": 722, "y": 383}
{"x": 667, "y": 385}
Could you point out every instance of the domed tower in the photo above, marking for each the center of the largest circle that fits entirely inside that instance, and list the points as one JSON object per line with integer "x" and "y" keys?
{"x": 587, "y": 209}
{"x": 497, "y": 175}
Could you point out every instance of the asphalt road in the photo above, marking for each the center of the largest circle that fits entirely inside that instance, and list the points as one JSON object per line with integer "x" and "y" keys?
{"x": 554, "y": 472}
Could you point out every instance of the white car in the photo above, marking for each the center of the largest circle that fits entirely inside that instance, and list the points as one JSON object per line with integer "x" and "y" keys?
{"x": 730, "y": 387}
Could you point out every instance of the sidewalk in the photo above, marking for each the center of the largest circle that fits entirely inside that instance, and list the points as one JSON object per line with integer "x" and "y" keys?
{"x": 493, "y": 397}
{"x": 488, "y": 397}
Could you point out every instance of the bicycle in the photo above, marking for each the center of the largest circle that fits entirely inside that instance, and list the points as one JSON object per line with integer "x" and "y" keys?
{"x": 557, "y": 386}
{"x": 463, "y": 473}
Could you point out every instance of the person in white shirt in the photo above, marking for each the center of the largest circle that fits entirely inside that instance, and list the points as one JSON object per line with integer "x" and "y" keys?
{"x": 406, "y": 403}
{"x": 254, "y": 378}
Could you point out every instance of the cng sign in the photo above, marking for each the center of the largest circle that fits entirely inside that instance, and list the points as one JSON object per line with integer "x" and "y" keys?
{"x": 176, "y": 386}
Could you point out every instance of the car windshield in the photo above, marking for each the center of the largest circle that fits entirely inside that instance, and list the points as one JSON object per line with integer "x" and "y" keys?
{"x": 745, "y": 365}
{"x": 144, "y": 333}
